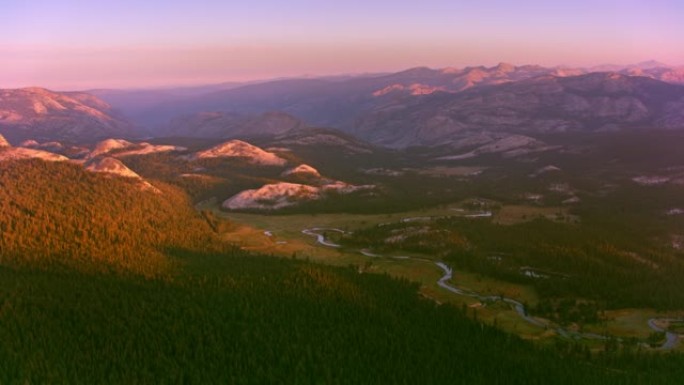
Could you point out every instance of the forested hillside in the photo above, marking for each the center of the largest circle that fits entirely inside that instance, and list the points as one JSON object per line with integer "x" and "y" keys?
{"x": 58, "y": 214}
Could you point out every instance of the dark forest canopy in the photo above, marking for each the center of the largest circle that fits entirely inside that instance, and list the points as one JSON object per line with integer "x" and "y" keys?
{"x": 103, "y": 282}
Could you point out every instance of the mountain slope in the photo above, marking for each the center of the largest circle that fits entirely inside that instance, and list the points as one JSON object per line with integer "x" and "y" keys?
{"x": 63, "y": 216}
{"x": 321, "y": 139}
{"x": 110, "y": 166}
{"x": 120, "y": 148}
{"x": 337, "y": 102}
{"x": 37, "y": 113}
{"x": 9, "y": 153}
{"x": 340, "y": 102}
{"x": 594, "y": 102}
{"x": 21, "y": 153}
{"x": 233, "y": 125}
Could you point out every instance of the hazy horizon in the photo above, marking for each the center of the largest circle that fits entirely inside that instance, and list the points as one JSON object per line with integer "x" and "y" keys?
{"x": 73, "y": 44}
{"x": 218, "y": 81}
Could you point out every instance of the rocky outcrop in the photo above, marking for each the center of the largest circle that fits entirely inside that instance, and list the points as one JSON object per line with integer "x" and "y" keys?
{"x": 8, "y": 153}
{"x": 302, "y": 170}
{"x": 20, "y": 153}
{"x": 272, "y": 197}
{"x": 238, "y": 149}
{"x": 114, "y": 167}
{"x": 120, "y": 148}
{"x": 280, "y": 195}
{"x": 111, "y": 166}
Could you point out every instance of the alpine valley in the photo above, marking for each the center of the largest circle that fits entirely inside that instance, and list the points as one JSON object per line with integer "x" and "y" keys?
{"x": 506, "y": 224}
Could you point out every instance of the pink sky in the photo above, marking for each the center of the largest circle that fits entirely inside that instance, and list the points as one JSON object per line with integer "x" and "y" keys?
{"x": 78, "y": 68}
{"x": 73, "y": 44}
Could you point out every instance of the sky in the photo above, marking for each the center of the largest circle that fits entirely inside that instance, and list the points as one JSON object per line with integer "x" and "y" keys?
{"x": 83, "y": 44}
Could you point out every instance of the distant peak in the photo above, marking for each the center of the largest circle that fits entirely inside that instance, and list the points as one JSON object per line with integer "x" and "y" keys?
{"x": 416, "y": 71}
{"x": 505, "y": 67}
{"x": 451, "y": 70}
{"x": 650, "y": 64}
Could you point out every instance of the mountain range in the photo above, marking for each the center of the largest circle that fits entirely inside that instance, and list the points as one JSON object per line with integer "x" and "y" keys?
{"x": 419, "y": 106}
{"x": 593, "y": 102}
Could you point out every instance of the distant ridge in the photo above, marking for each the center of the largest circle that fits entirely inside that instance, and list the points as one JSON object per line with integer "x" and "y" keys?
{"x": 274, "y": 107}
{"x": 38, "y": 113}
{"x": 417, "y": 106}
{"x": 592, "y": 102}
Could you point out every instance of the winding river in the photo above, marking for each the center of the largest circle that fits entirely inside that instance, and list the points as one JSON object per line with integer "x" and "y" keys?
{"x": 671, "y": 339}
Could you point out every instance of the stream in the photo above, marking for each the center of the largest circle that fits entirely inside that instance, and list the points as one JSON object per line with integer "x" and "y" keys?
{"x": 671, "y": 339}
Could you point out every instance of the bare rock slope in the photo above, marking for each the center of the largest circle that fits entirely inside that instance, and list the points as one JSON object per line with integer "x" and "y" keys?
{"x": 547, "y": 104}
{"x": 43, "y": 114}
{"x": 272, "y": 196}
{"x": 238, "y": 149}
{"x": 280, "y": 195}
{"x": 121, "y": 148}
{"x": 114, "y": 167}
{"x": 20, "y": 153}
{"x": 302, "y": 170}
{"x": 7, "y": 153}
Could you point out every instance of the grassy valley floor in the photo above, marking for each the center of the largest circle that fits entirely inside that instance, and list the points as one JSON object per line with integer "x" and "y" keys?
{"x": 281, "y": 235}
